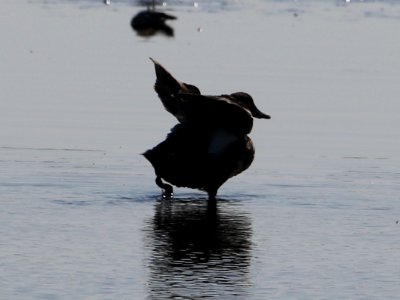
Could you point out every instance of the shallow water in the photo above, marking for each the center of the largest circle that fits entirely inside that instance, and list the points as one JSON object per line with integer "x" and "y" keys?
{"x": 316, "y": 215}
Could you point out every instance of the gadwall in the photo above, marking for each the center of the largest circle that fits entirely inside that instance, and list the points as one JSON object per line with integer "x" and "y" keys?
{"x": 210, "y": 143}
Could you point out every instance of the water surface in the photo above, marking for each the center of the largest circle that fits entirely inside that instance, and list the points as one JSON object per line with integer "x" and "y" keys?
{"x": 316, "y": 215}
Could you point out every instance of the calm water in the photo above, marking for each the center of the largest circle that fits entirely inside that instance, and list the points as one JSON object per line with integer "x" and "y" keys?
{"x": 315, "y": 217}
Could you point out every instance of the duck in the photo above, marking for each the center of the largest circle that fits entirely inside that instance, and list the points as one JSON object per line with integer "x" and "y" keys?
{"x": 210, "y": 143}
{"x": 149, "y": 22}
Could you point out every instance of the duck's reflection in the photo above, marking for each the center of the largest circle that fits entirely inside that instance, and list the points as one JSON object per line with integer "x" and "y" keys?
{"x": 198, "y": 250}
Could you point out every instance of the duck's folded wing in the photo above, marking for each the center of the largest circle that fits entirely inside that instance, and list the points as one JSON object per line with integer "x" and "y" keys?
{"x": 214, "y": 111}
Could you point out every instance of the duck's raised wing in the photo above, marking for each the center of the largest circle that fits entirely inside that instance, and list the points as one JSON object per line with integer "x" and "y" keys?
{"x": 214, "y": 111}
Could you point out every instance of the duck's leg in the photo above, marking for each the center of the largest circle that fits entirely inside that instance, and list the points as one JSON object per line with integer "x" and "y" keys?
{"x": 212, "y": 195}
{"x": 168, "y": 191}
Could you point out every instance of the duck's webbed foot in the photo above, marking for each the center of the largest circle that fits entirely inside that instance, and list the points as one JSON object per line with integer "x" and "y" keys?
{"x": 168, "y": 191}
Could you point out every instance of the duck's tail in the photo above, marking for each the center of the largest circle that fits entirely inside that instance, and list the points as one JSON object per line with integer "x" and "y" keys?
{"x": 166, "y": 85}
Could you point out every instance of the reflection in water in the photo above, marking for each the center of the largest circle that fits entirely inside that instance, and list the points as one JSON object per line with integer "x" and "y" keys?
{"x": 198, "y": 250}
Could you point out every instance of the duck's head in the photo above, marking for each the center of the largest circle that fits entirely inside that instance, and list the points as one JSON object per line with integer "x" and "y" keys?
{"x": 247, "y": 102}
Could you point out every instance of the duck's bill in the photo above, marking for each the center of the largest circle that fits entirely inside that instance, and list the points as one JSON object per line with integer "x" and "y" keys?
{"x": 260, "y": 115}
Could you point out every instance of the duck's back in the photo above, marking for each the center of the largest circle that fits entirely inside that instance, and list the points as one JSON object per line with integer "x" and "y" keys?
{"x": 214, "y": 112}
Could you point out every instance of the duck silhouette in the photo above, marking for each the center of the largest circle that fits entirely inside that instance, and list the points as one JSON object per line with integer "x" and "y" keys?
{"x": 149, "y": 22}
{"x": 209, "y": 145}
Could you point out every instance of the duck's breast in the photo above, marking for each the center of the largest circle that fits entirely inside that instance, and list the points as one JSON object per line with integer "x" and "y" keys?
{"x": 220, "y": 140}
